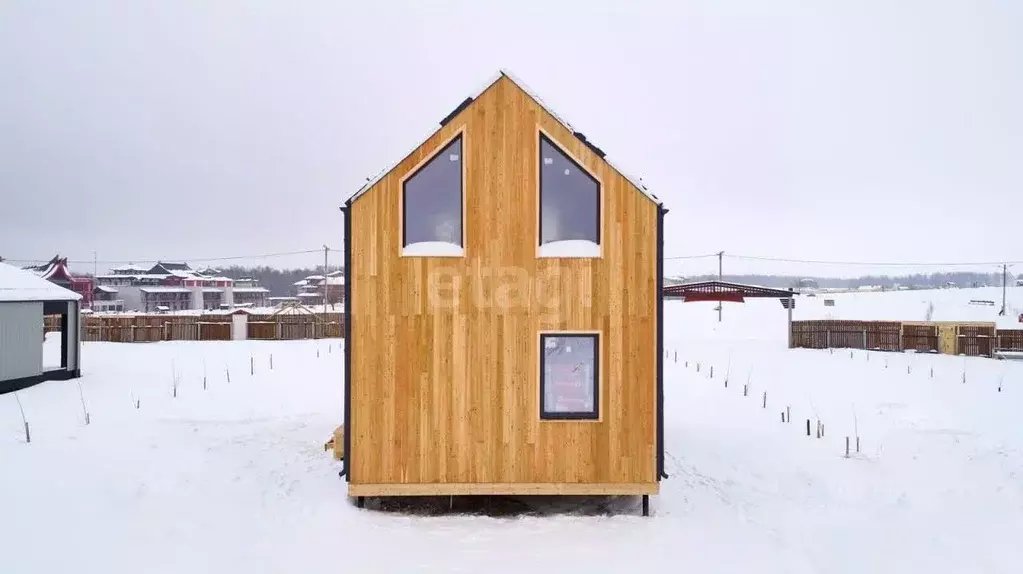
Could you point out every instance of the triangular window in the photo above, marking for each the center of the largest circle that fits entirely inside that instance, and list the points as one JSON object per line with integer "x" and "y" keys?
{"x": 432, "y": 205}
{"x": 569, "y": 205}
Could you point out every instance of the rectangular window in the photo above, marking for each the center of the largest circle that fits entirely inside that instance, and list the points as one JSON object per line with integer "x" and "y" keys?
{"x": 432, "y": 198}
{"x": 569, "y": 376}
{"x": 569, "y": 205}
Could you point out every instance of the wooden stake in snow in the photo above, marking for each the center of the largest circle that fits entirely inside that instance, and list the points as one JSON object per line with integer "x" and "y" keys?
{"x": 857, "y": 444}
{"x": 932, "y": 372}
{"x": 783, "y": 416}
{"x": 28, "y": 433}
{"x": 227, "y": 371}
{"x": 765, "y": 400}
{"x": 788, "y": 414}
{"x": 846, "y": 447}
{"x": 81, "y": 396}
{"x": 252, "y": 365}
{"x": 271, "y": 361}
{"x": 676, "y": 356}
{"x": 204, "y": 374}
{"x": 317, "y": 352}
{"x": 745, "y": 390}
{"x": 807, "y": 427}
{"x": 697, "y": 366}
{"x": 712, "y": 371}
{"x": 174, "y": 380}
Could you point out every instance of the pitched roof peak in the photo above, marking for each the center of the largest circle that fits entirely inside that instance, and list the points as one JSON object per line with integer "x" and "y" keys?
{"x": 505, "y": 73}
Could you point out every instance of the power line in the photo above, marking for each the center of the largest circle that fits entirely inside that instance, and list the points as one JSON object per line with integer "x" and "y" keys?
{"x": 671, "y": 258}
{"x": 691, "y": 256}
{"x": 876, "y": 264}
{"x": 192, "y": 259}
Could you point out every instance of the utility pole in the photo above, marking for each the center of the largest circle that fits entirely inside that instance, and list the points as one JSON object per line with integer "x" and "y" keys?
{"x": 1005, "y": 283}
{"x": 721, "y": 304}
{"x": 326, "y": 250}
{"x": 95, "y": 264}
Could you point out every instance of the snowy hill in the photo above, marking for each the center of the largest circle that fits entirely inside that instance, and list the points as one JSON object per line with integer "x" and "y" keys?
{"x": 233, "y": 478}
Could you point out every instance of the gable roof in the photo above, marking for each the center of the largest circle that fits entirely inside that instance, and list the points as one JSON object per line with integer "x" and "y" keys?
{"x": 636, "y": 182}
{"x": 20, "y": 285}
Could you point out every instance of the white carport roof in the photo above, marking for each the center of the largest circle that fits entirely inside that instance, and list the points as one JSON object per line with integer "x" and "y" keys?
{"x": 20, "y": 285}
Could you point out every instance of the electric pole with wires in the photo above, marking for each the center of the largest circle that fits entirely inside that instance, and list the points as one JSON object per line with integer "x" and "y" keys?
{"x": 1005, "y": 286}
{"x": 326, "y": 250}
{"x": 721, "y": 303}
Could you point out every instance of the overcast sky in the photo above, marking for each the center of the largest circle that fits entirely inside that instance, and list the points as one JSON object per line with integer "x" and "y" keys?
{"x": 874, "y": 130}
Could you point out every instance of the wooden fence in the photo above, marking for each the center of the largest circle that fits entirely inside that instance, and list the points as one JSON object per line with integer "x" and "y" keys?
{"x": 1009, "y": 339}
{"x": 215, "y": 327}
{"x": 971, "y": 339}
{"x": 874, "y": 335}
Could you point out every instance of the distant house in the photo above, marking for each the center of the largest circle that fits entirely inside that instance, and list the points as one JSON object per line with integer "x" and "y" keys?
{"x": 311, "y": 291}
{"x": 56, "y": 271}
{"x": 104, "y": 300}
{"x": 169, "y": 286}
{"x": 165, "y": 298}
{"x": 247, "y": 292}
{"x": 1019, "y": 283}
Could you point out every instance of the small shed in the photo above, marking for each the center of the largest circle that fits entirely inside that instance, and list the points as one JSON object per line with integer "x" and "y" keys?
{"x": 25, "y": 298}
{"x": 503, "y": 331}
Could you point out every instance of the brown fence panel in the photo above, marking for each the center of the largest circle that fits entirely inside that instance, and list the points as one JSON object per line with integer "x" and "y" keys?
{"x": 975, "y": 341}
{"x": 921, "y": 338}
{"x": 179, "y": 331}
{"x": 262, "y": 330}
{"x": 1009, "y": 339}
{"x": 214, "y": 327}
{"x": 52, "y": 323}
{"x": 884, "y": 335}
{"x": 213, "y": 331}
{"x": 874, "y": 335}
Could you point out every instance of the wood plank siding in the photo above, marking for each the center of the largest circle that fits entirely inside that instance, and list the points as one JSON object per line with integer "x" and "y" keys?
{"x": 444, "y": 382}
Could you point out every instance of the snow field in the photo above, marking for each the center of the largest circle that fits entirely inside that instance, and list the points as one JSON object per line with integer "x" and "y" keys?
{"x": 234, "y": 477}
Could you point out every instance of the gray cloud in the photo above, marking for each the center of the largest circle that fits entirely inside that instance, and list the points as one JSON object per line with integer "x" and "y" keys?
{"x": 868, "y": 130}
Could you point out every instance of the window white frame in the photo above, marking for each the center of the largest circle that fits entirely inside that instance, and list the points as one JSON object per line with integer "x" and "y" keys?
{"x": 434, "y": 249}
{"x": 593, "y": 415}
{"x": 569, "y": 248}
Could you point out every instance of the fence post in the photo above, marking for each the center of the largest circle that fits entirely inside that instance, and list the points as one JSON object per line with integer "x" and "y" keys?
{"x": 864, "y": 338}
{"x": 827, "y": 338}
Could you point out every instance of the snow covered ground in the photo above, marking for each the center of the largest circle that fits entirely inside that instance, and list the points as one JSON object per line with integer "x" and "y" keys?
{"x": 234, "y": 478}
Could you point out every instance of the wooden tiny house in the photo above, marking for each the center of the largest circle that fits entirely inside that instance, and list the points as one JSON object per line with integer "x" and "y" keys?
{"x": 503, "y": 306}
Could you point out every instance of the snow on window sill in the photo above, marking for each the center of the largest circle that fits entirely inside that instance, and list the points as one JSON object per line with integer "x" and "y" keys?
{"x": 570, "y": 248}
{"x": 432, "y": 249}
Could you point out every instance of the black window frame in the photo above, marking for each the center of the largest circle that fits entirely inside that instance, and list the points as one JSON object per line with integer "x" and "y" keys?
{"x": 460, "y": 138}
{"x": 543, "y": 137}
{"x": 576, "y": 415}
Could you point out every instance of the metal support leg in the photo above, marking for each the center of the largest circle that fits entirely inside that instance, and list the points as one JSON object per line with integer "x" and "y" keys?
{"x": 646, "y": 505}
